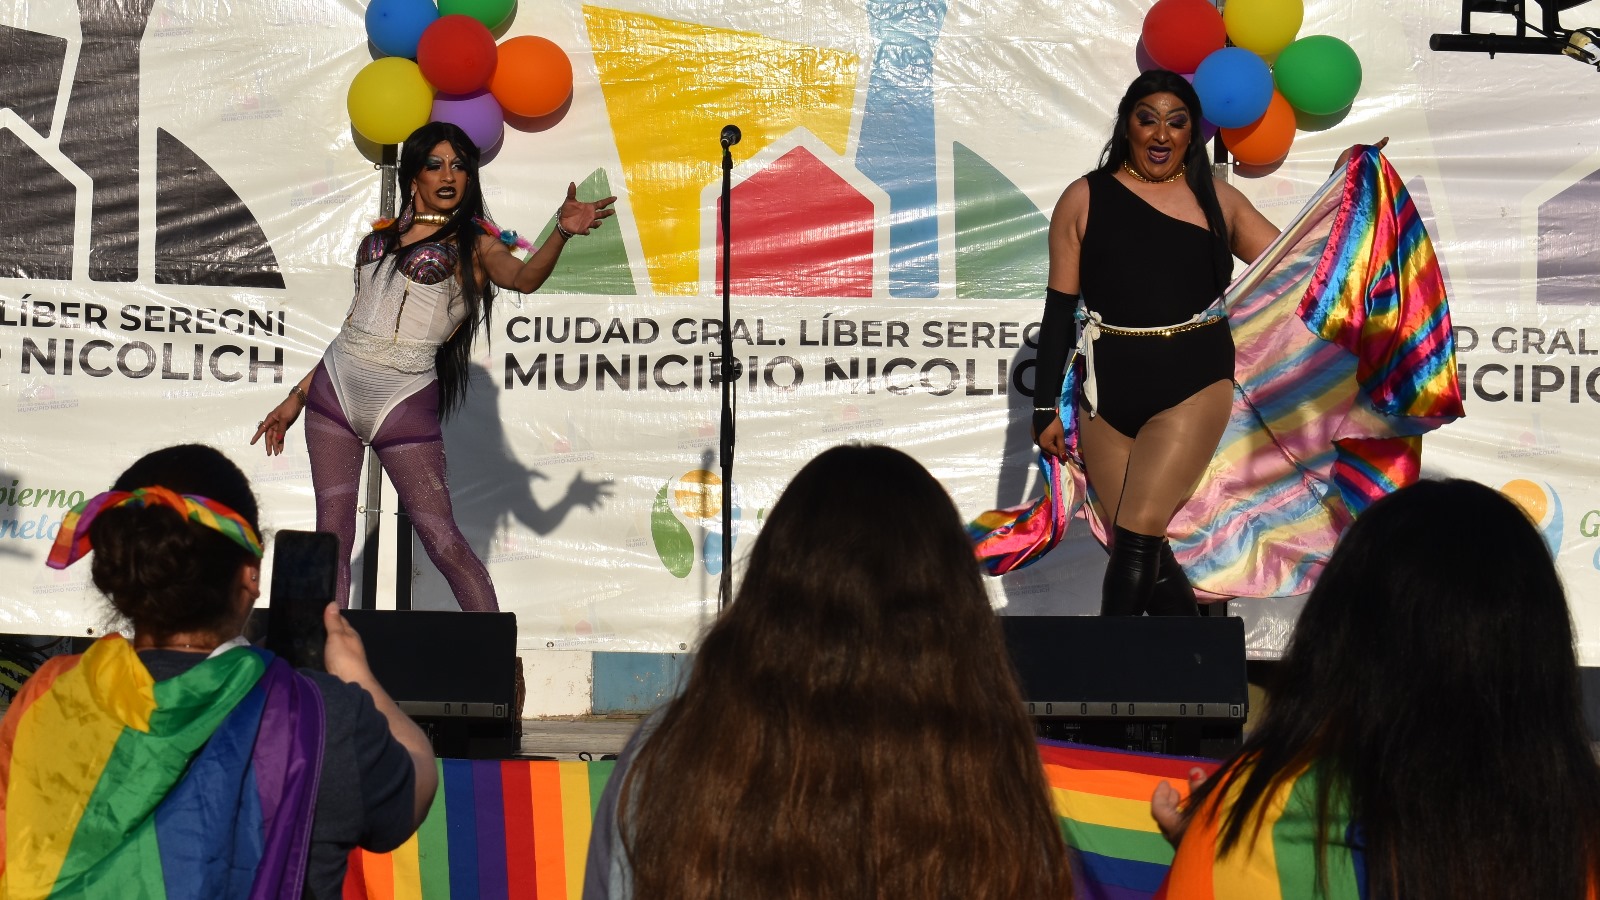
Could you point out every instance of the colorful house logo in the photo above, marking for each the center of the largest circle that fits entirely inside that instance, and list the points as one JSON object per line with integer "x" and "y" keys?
{"x": 686, "y": 522}
{"x": 838, "y": 187}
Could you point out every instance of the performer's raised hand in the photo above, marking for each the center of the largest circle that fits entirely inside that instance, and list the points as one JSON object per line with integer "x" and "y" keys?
{"x": 1354, "y": 148}
{"x": 581, "y": 216}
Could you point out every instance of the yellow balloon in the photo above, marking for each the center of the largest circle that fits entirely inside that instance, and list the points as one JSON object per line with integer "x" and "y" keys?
{"x": 389, "y": 99}
{"x": 1263, "y": 27}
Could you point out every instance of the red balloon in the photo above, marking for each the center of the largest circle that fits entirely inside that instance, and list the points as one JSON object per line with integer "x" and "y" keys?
{"x": 1267, "y": 139}
{"x": 1178, "y": 34}
{"x": 457, "y": 54}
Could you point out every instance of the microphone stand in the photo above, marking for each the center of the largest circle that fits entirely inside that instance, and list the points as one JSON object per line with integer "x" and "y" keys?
{"x": 728, "y": 370}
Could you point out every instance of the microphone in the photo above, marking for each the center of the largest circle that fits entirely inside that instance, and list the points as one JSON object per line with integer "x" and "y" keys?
{"x": 730, "y": 136}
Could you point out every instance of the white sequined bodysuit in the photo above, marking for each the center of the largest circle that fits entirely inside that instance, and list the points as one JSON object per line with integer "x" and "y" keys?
{"x": 397, "y": 321}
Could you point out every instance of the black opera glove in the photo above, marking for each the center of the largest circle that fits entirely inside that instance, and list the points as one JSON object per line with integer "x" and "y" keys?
{"x": 1056, "y": 331}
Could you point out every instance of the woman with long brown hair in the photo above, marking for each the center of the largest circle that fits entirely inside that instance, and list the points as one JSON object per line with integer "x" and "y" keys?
{"x": 852, "y": 727}
{"x": 1425, "y": 737}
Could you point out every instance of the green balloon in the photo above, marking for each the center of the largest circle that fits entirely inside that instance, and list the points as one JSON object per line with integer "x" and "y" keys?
{"x": 490, "y": 12}
{"x": 1319, "y": 74}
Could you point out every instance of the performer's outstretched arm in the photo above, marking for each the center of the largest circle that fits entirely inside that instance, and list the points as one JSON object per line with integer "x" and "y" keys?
{"x": 574, "y": 218}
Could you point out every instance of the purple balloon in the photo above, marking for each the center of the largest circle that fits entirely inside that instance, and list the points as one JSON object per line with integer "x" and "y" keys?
{"x": 1143, "y": 59}
{"x": 1235, "y": 87}
{"x": 477, "y": 113}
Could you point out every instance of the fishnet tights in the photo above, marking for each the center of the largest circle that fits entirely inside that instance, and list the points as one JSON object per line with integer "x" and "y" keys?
{"x": 411, "y": 449}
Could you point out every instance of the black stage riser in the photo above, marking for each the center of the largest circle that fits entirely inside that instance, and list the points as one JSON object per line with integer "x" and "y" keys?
{"x": 1167, "y": 685}
{"x": 453, "y": 672}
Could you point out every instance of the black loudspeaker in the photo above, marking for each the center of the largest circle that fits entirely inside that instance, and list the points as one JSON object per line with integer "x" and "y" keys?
{"x": 1164, "y": 685}
{"x": 453, "y": 672}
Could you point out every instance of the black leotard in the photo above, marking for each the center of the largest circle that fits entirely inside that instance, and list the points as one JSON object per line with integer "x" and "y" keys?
{"x": 1141, "y": 268}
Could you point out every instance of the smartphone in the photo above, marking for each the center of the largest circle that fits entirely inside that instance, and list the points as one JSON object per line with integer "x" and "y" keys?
{"x": 304, "y": 572}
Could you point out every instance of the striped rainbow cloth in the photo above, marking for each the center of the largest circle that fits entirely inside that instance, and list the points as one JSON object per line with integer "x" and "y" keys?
{"x": 1020, "y": 536}
{"x": 520, "y": 828}
{"x": 1281, "y": 862}
{"x": 1344, "y": 358}
{"x": 200, "y": 786}
{"x": 497, "y": 829}
{"x": 1103, "y": 799}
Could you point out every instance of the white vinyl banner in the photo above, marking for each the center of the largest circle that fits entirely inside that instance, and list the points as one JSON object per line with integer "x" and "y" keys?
{"x": 182, "y": 196}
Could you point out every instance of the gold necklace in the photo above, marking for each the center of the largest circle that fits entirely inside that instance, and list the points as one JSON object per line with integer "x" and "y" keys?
{"x": 430, "y": 219}
{"x": 1128, "y": 167}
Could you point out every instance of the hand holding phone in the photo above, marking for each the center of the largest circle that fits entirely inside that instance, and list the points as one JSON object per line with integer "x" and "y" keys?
{"x": 304, "y": 576}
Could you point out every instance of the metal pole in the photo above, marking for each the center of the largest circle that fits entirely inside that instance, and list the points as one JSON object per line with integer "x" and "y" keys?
{"x": 373, "y": 507}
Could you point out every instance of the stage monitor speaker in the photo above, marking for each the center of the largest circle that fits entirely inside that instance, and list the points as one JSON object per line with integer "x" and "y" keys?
{"x": 453, "y": 672}
{"x": 1166, "y": 685}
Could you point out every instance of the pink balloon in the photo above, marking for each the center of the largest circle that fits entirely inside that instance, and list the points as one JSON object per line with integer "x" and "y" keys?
{"x": 477, "y": 113}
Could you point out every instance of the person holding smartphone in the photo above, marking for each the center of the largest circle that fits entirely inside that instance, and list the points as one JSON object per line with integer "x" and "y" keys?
{"x": 182, "y": 755}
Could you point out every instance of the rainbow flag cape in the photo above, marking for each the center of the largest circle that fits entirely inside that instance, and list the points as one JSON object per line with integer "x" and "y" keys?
{"x": 116, "y": 785}
{"x": 1103, "y": 799}
{"x": 497, "y": 830}
{"x": 1281, "y": 863}
{"x": 1344, "y": 358}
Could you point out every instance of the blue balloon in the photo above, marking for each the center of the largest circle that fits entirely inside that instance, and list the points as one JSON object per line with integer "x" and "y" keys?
{"x": 1235, "y": 87}
{"x": 395, "y": 26}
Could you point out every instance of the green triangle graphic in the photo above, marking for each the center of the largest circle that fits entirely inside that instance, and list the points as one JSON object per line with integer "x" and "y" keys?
{"x": 1001, "y": 245}
{"x": 596, "y": 263}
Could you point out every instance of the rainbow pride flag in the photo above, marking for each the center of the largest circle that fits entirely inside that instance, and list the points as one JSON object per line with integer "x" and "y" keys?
{"x": 1103, "y": 799}
{"x": 1344, "y": 358}
{"x": 520, "y": 828}
{"x": 498, "y": 829}
{"x": 1021, "y": 535}
{"x": 116, "y": 785}
{"x": 1280, "y": 863}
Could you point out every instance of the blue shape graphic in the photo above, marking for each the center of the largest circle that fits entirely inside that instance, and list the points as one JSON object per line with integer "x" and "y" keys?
{"x": 1552, "y": 532}
{"x": 897, "y": 143}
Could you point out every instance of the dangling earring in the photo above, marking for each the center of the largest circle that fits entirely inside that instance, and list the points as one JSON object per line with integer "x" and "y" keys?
{"x": 406, "y": 215}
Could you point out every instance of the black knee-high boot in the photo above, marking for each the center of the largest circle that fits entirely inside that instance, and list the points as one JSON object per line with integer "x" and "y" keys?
{"x": 1131, "y": 572}
{"x": 1173, "y": 595}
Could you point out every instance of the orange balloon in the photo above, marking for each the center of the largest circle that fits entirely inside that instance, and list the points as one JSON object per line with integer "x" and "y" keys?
{"x": 533, "y": 76}
{"x": 1267, "y": 139}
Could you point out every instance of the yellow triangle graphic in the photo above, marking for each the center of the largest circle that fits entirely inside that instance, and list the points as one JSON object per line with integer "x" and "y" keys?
{"x": 670, "y": 87}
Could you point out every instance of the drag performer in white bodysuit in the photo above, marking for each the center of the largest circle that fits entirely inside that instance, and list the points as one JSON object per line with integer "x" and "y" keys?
{"x": 400, "y": 362}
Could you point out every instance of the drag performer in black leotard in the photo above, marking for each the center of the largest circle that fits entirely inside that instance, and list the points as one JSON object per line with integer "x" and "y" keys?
{"x": 1139, "y": 375}
{"x": 1147, "y": 239}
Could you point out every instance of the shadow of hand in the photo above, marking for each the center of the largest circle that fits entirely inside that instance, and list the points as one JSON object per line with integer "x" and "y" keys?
{"x": 587, "y": 494}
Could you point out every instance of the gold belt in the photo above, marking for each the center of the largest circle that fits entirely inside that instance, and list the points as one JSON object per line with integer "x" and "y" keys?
{"x": 1165, "y": 331}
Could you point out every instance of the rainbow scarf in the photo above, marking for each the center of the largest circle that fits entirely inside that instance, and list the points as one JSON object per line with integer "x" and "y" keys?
{"x": 1344, "y": 358}
{"x": 200, "y": 786}
{"x": 1103, "y": 799}
{"x": 72, "y": 542}
{"x": 1280, "y": 863}
{"x": 497, "y": 830}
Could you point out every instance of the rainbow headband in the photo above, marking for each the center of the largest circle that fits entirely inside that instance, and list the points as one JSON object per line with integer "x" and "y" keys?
{"x": 72, "y": 543}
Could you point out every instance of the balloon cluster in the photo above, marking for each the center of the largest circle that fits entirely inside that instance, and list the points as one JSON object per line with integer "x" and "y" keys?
{"x": 1251, "y": 90}
{"x": 441, "y": 64}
